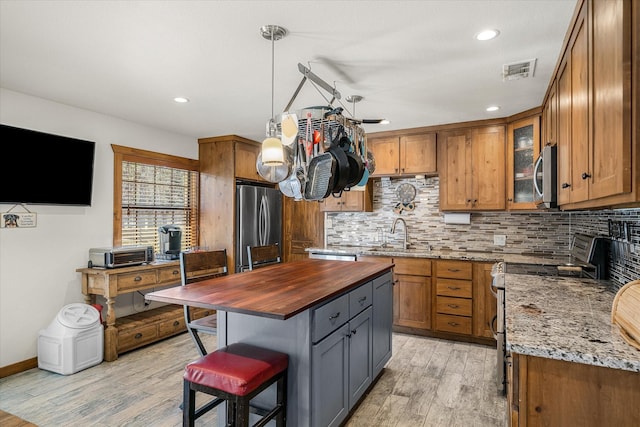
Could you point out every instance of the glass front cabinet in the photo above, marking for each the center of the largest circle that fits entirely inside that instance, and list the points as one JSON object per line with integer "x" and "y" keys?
{"x": 522, "y": 151}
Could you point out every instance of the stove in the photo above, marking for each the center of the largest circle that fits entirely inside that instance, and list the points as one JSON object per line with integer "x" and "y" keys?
{"x": 589, "y": 256}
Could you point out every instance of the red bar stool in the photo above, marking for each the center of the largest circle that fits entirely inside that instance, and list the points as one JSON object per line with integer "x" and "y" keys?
{"x": 236, "y": 374}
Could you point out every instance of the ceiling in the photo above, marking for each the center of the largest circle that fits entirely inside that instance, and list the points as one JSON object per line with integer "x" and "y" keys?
{"x": 416, "y": 63}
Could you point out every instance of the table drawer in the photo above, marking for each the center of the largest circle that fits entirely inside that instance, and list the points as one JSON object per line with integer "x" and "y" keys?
{"x": 454, "y": 288}
{"x": 169, "y": 275}
{"x": 455, "y": 306}
{"x": 137, "y": 337}
{"x": 455, "y": 324}
{"x": 171, "y": 326}
{"x": 454, "y": 269}
{"x": 360, "y": 298}
{"x": 329, "y": 317}
{"x": 140, "y": 279}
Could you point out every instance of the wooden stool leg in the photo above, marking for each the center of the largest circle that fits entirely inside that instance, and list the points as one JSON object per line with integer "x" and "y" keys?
{"x": 189, "y": 405}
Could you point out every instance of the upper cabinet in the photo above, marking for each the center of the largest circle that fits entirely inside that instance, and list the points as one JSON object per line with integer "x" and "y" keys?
{"x": 354, "y": 200}
{"x": 246, "y": 156}
{"x": 404, "y": 154}
{"x": 523, "y": 148}
{"x": 591, "y": 108}
{"x": 471, "y": 164}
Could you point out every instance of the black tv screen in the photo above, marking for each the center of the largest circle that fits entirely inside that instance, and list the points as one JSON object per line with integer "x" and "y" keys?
{"x": 46, "y": 169}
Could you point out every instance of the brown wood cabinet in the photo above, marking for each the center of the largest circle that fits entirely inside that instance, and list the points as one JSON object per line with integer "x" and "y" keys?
{"x": 484, "y": 302}
{"x": 552, "y": 392}
{"x": 453, "y": 296}
{"x": 597, "y": 107}
{"x": 412, "y": 293}
{"x": 397, "y": 155}
{"x": 133, "y": 331}
{"x": 350, "y": 201}
{"x": 223, "y": 159}
{"x": 523, "y": 148}
{"x": 471, "y": 164}
{"x": 303, "y": 228}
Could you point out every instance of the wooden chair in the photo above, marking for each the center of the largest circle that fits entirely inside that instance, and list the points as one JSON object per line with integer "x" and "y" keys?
{"x": 261, "y": 256}
{"x": 195, "y": 267}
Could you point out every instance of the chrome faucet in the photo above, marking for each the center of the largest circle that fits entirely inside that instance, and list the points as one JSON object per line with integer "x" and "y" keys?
{"x": 393, "y": 230}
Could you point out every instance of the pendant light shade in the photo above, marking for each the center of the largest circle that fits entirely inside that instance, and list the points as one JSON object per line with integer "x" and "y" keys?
{"x": 272, "y": 149}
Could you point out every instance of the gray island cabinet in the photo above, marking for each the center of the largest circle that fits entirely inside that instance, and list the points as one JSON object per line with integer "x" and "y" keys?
{"x": 333, "y": 319}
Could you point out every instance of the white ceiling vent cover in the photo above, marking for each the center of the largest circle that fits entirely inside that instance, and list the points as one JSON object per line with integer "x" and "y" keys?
{"x": 518, "y": 70}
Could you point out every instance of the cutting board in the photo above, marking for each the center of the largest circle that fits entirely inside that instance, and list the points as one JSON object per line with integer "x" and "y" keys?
{"x": 625, "y": 312}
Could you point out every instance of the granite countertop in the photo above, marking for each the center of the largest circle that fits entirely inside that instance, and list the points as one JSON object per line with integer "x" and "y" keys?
{"x": 442, "y": 254}
{"x": 565, "y": 318}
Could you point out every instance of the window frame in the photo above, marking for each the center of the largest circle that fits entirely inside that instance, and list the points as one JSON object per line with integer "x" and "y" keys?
{"x": 135, "y": 155}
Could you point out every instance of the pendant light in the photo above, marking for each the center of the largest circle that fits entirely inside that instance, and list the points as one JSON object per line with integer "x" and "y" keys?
{"x": 272, "y": 150}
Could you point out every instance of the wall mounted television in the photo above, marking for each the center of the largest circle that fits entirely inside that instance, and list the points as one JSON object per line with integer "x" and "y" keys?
{"x": 45, "y": 169}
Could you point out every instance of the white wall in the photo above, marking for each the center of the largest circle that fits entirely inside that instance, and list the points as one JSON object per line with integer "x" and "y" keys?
{"x": 38, "y": 265}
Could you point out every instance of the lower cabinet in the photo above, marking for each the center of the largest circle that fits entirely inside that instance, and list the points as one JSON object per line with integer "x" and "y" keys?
{"x": 549, "y": 392}
{"x": 412, "y": 293}
{"x": 351, "y": 344}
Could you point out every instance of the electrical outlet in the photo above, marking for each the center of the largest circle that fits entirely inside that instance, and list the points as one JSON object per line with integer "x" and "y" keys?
{"x": 499, "y": 239}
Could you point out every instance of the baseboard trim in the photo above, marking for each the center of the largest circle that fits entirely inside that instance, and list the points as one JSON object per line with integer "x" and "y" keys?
{"x": 16, "y": 368}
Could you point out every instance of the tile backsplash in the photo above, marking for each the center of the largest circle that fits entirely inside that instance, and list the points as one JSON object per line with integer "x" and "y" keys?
{"x": 542, "y": 233}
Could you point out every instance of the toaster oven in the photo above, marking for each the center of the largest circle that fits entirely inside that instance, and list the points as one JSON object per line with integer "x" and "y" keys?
{"x": 123, "y": 256}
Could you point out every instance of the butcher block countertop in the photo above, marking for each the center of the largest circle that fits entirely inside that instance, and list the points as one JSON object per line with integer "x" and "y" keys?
{"x": 279, "y": 291}
{"x": 567, "y": 319}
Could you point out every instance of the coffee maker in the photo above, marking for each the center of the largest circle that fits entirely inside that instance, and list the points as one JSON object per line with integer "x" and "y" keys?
{"x": 170, "y": 236}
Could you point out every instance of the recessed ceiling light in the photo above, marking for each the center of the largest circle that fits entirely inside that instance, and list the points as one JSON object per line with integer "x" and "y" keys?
{"x": 181, "y": 99}
{"x": 493, "y": 108}
{"x": 487, "y": 35}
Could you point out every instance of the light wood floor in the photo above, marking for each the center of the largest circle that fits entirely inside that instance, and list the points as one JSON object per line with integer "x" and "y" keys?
{"x": 428, "y": 382}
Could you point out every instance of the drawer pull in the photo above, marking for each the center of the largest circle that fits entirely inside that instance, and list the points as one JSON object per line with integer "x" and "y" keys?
{"x": 353, "y": 331}
{"x": 334, "y": 316}
{"x": 454, "y": 288}
{"x": 137, "y": 279}
{"x": 176, "y": 272}
{"x": 453, "y": 324}
{"x": 453, "y": 270}
{"x": 176, "y": 323}
{"x": 453, "y": 305}
{"x": 138, "y": 336}
{"x": 362, "y": 300}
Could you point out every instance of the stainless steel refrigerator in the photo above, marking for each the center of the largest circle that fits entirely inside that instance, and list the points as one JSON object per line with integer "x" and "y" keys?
{"x": 258, "y": 220}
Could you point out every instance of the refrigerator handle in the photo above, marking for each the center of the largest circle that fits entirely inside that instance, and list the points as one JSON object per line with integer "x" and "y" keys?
{"x": 263, "y": 222}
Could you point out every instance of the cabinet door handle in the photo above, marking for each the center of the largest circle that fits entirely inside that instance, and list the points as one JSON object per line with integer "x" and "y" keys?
{"x": 334, "y": 316}
{"x": 353, "y": 331}
{"x": 454, "y": 288}
{"x": 585, "y": 175}
{"x": 138, "y": 336}
{"x": 566, "y": 185}
{"x": 362, "y": 300}
{"x": 137, "y": 279}
{"x": 452, "y": 323}
{"x": 453, "y": 305}
{"x": 176, "y": 323}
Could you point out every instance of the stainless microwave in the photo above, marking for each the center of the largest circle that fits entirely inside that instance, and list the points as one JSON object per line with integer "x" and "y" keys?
{"x": 545, "y": 178}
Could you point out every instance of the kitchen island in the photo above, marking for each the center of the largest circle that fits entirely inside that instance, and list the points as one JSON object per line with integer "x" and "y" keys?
{"x": 569, "y": 363}
{"x": 332, "y": 318}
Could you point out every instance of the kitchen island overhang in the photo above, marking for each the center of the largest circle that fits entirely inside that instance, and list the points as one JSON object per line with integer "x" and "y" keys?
{"x": 333, "y": 318}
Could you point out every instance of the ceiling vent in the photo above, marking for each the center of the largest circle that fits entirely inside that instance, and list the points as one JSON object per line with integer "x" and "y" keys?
{"x": 518, "y": 70}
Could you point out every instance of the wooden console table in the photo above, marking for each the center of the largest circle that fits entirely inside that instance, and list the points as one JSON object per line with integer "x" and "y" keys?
{"x": 138, "y": 329}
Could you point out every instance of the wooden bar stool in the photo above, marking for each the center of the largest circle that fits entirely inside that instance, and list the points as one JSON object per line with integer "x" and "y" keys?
{"x": 236, "y": 374}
